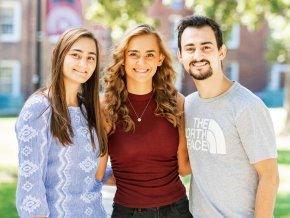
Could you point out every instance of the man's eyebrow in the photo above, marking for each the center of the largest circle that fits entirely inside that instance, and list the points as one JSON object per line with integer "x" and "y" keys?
{"x": 203, "y": 43}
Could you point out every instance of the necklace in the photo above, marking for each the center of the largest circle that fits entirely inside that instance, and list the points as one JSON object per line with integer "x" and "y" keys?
{"x": 139, "y": 118}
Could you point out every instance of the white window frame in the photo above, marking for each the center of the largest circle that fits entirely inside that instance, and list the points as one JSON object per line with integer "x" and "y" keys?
{"x": 234, "y": 39}
{"x": 16, "y": 69}
{"x": 235, "y": 70}
{"x": 16, "y": 35}
{"x": 275, "y": 75}
{"x": 174, "y": 19}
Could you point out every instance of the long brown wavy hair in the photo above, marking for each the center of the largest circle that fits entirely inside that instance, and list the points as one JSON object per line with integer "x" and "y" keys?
{"x": 116, "y": 93}
{"x": 88, "y": 95}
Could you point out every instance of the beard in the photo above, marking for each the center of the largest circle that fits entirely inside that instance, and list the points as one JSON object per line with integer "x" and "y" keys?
{"x": 201, "y": 74}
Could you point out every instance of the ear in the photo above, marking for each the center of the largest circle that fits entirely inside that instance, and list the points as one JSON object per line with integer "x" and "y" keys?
{"x": 179, "y": 56}
{"x": 222, "y": 52}
{"x": 161, "y": 59}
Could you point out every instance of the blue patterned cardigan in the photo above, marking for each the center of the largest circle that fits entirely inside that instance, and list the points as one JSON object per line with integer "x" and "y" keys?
{"x": 56, "y": 181}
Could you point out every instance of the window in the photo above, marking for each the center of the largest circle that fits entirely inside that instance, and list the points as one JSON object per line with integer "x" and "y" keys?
{"x": 234, "y": 38}
{"x": 9, "y": 78}
{"x": 174, "y": 20}
{"x": 232, "y": 71}
{"x": 177, "y": 4}
{"x": 10, "y": 20}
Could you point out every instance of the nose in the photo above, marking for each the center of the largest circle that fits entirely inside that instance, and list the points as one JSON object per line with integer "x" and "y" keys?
{"x": 83, "y": 63}
{"x": 141, "y": 61}
{"x": 197, "y": 54}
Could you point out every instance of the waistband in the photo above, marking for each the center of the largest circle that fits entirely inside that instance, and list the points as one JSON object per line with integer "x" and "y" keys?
{"x": 184, "y": 199}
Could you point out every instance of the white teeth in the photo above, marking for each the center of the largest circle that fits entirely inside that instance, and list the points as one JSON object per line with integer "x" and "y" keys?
{"x": 199, "y": 64}
{"x": 80, "y": 71}
{"x": 141, "y": 70}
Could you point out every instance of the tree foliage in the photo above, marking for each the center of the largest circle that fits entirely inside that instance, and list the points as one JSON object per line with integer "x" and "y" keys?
{"x": 251, "y": 14}
{"x": 119, "y": 15}
{"x": 122, "y": 14}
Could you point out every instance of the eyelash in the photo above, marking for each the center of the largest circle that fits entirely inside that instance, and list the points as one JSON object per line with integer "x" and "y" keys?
{"x": 206, "y": 48}
{"x": 77, "y": 56}
{"x": 135, "y": 55}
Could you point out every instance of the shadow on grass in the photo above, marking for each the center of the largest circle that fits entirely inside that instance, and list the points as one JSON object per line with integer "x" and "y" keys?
{"x": 8, "y": 209}
{"x": 284, "y": 157}
{"x": 7, "y": 199}
{"x": 282, "y": 209}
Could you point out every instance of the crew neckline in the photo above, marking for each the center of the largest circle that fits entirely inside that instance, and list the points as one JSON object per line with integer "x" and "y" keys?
{"x": 135, "y": 97}
{"x": 230, "y": 90}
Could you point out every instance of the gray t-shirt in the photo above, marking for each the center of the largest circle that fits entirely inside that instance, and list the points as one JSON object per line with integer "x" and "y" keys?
{"x": 225, "y": 135}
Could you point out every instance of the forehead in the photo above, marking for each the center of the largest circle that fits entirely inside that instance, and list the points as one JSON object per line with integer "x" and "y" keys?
{"x": 193, "y": 35}
{"x": 143, "y": 43}
{"x": 85, "y": 44}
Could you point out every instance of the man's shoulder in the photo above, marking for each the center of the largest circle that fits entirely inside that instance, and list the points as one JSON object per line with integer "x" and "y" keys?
{"x": 244, "y": 96}
{"x": 191, "y": 96}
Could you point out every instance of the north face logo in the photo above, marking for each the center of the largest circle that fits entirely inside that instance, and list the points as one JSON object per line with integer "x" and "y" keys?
{"x": 206, "y": 135}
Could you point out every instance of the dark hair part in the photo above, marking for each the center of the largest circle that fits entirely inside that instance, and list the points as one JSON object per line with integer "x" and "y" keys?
{"x": 198, "y": 22}
{"x": 88, "y": 96}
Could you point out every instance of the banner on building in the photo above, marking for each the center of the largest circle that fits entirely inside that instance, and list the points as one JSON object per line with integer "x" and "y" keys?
{"x": 61, "y": 15}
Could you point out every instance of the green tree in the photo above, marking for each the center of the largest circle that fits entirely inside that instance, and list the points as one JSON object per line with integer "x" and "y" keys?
{"x": 119, "y": 15}
{"x": 122, "y": 14}
{"x": 252, "y": 14}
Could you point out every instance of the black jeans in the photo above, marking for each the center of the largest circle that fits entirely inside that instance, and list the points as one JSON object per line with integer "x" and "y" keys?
{"x": 178, "y": 209}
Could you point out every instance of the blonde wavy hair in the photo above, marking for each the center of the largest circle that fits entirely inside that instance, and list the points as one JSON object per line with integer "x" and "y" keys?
{"x": 116, "y": 94}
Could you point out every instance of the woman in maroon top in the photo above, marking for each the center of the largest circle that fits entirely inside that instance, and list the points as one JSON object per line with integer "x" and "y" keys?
{"x": 143, "y": 112}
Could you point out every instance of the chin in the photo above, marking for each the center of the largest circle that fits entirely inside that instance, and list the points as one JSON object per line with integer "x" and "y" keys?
{"x": 200, "y": 75}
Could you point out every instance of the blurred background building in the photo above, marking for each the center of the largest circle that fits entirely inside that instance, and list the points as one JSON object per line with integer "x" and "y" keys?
{"x": 29, "y": 30}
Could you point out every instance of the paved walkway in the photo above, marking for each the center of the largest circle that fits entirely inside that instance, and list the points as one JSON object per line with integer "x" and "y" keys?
{"x": 108, "y": 194}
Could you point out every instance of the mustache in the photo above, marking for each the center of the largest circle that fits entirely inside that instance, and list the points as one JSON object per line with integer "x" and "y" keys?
{"x": 195, "y": 61}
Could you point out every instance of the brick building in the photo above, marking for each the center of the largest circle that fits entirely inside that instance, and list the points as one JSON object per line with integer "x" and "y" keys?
{"x": 17, "y": 39}
{"x": 18, "y": 35}
{"x": 244, "y": 63}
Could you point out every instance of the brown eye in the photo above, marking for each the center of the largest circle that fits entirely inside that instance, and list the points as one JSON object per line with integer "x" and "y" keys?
{"x": 189, "y": 49}
{"x": 91, "y": 58}
{"x": 133, "y": 55}
{"x": 75, "y": 55}
{"x": 206, "y": 48}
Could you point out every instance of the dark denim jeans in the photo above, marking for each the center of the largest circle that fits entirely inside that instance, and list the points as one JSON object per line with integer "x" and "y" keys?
{"x": 178, "y": 209}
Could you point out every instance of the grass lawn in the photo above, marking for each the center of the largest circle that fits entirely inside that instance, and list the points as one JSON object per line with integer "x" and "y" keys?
{"x": 8, "y": 210}
{"x": 7, "y": 199}
{"x": 282, "y": 209}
